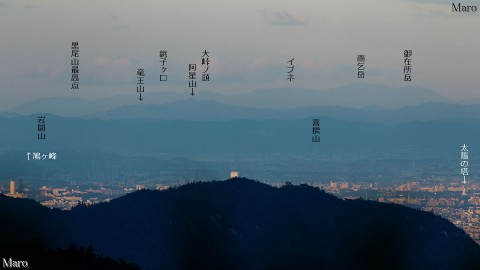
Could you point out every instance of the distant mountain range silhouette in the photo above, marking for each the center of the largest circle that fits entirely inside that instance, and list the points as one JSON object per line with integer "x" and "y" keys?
{"x": 215, "y": 111}
{"x": 349, "y": 96}
{"x": 244, "y": 224}
{"x": 184, "y": 137}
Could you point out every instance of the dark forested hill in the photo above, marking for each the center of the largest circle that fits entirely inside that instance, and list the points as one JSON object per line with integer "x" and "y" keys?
{"x": 244, "y": 224}
{"x": 29, "y": 232}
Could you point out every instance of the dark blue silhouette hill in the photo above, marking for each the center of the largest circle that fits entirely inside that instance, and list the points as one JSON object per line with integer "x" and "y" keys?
{"x": 244, "y": 224}
{"x": 26, "y": 227}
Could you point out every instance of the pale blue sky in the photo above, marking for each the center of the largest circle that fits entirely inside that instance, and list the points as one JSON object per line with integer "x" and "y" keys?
{"x": 249, "y": 43}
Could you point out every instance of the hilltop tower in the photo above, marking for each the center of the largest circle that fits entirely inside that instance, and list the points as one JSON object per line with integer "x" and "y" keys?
{"x": 12, "y": 187}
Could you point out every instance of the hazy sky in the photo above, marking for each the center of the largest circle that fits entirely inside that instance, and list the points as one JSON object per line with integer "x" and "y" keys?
{"x": 249, "y": 42}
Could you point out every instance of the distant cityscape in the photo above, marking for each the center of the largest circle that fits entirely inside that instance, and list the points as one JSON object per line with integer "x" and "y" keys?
{"x": 458, "y": 203}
